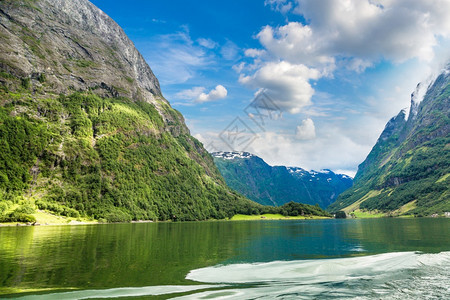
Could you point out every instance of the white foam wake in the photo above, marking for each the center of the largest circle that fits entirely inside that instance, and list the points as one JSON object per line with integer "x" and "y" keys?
{"x": 394, "y": 275}
{"x": 314, "y": 271}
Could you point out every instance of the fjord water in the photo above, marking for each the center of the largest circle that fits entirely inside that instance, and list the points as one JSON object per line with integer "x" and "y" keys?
{"x": 371, "y": 258}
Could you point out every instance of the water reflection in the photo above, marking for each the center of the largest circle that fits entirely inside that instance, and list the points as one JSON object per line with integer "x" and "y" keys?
{"x": 155, "y": 254}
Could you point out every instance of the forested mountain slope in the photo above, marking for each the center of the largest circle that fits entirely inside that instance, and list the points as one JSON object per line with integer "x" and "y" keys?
{"x": 85, "y": 129}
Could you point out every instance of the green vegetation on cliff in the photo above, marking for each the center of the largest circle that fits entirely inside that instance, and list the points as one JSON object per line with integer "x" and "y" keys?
{"x": 82, "y": 155}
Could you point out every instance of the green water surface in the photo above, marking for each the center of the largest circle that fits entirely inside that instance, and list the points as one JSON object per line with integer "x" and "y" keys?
{"x": 34, "y": 259}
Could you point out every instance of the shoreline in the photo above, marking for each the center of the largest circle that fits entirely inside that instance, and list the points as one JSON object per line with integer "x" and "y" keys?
{"x": 64, "y": 221}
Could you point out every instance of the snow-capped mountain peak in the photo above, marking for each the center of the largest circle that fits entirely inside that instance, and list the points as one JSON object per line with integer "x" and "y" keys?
{"x": 295, "y": 170}
{"x": 276, "y": 185}
{"x": 232, "y": 155}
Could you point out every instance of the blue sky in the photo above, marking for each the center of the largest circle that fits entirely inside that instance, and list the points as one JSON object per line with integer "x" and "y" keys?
{"x": 333, "y": 72}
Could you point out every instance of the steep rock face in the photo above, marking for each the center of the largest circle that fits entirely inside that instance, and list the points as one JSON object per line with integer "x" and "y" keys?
{"x": 408, "y": 169}
{"x": 74, "y": 45}
{"x": 251, "y": 176}
{"x": 84, "y": 129}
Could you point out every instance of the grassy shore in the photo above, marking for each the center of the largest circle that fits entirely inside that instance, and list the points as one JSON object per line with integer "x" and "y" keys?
{"x": 46, "y": 218}
{"x": 359, "y": 214}
{"x": 239, "y": 217}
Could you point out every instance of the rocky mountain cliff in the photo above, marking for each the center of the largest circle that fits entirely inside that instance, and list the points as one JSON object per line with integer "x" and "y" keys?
{"x": 84, "y": 128}
{"x": 408, "y": 170}
{"x": 250, "y": 175}
{"x": 76, "y": 46}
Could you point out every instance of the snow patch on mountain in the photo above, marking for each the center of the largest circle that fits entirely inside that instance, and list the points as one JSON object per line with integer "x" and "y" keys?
{"x": 232, "y": 155}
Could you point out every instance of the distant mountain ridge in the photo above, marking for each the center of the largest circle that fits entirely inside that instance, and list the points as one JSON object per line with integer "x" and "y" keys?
{"x": 408, "y": 169}
{"x": 254, "y": 178}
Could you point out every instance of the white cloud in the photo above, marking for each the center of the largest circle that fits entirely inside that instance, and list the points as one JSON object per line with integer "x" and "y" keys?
{"x": 239, "y": 67}
{"x": 254, "y": 52}
{"x": 190, "y": 94}
{"x": 219, "y": 92}
{"x": 158, "y": 21}
{"x": 357, "y": 64}
{"x": 351, "y": 34}
{"x": 306, "y": 131}
{"x": 207, "y": 43}
{"x": 282, "y": 6}
{"x": 296, "y": 43}
{"x": 286, "y": 84}
{"x": 229, "y": 51}
{"x": 394, "y": 30}
{"x": 350, "y": 173}
{"x": 197, "y": 94}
